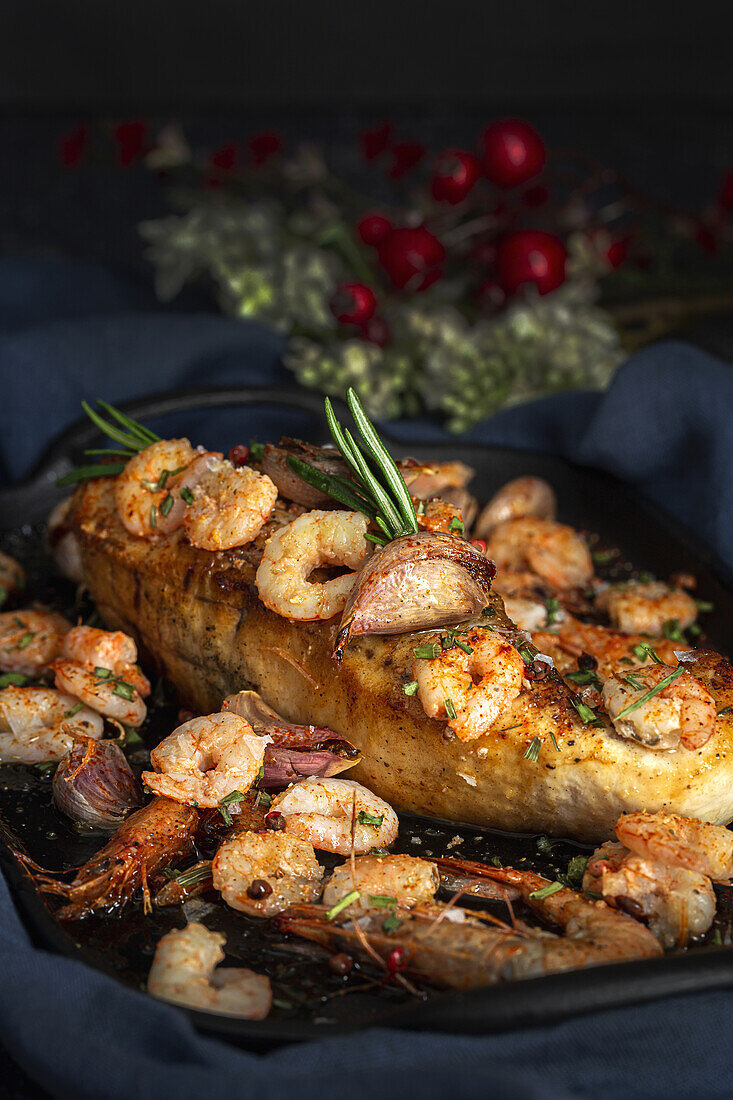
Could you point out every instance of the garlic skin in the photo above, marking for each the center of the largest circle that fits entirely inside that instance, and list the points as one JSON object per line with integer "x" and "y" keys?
{"x": 289, "y": 485}
{"x": 417, "y": 582}
{"x": 95, "y": 786}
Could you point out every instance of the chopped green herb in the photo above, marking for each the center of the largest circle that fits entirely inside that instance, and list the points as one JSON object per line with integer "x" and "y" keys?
{"x": 228, "y": 800}
{"x": 663, "y": 683}
{"x": 533, "y": 750}
{"x": 166, "y": 505}
{"x": 507, "y": 728}
{"x": 15, "y": 678}
{"x": 545, "y": 891}
{"x": 634, "y": 682}
{"x": 3, "y": 594}
{"x": 131, "y": 737}
{"x": 672, "y": 630}
{"x": 411, "y": 688}
{"x": 644, "y": 650}
{"x": 576, "y": 869}
{"x": 379, "y": 851}
{"x": 194, "y": 874}
{"x": 552, "y": 607}
{"x": 602, "y": 557}
{"x": 26, "y": 640}
{"x": 381, "y": 901}
{"x": 464, "y": 646}
{"x": 46, "y": 767}
{"x": 587, "y": 714}
{"x": 261, "y": 772}
{"x": 704, "y": 605}
{"x": 450, "y": 710}
{"x": 263, "y": 799}
{"x": 345, "y": 902}
{"x": 456, "y": 524}
{"x": 725, "y": 710}
{"x": 554, "y": 741}
{"x": 391, "y": 924}
{"x": 544, "y": 845}
{"x": 194, "y": 802}
{"x": 625, "y": 661}
{"x": 593, "y": 895}
{"x": 427, "y": 652}
{"x": 526, "y": 654}
{"x": 717, "y": 938}
{"x": 187, "y": 495}
{"x": 256, "y": 450}
{"x": 73, "y": 710}
{"x": 496, "y": 861}
{"x": 363, "y": 818}
{"x": 123, "y": 689}
{"x": 585, "y": 676}
{"x": 694, "y": 630}
{"x": 102, "y": 673}
{"x": 153, "y": 517}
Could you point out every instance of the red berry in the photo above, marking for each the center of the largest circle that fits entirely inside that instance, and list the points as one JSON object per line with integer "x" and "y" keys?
{"x": 376, "y": 331}
{"x": 617, "y": 252}
{"x": 373, "y": 228}
{"x": 530, "y": 256}
{"x": 396, "y": 960}
{"x": 725, "y": 196}
{"x": 479, "y": 545}
{"x": 264, "y": 146}
{"x": 130, "y": 138}
{"x": 225, "y": 157}
{"x": 455, "y": 174}
{"x": 72, "y": 146}
{"x": 353, "y": 303}
{"x": 412, "y": 257}
{"x": 239, "y": 455}
{"x": 513, "y": 152}
{"x": 405, "y": 155}
{"x": 375, "y": 140}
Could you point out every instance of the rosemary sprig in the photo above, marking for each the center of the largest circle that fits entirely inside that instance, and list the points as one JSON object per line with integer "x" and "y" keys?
{"x": 133, "y": 437}
{"x": 379, "y": 492}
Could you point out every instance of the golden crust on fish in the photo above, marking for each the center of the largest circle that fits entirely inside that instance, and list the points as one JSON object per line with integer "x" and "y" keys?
{"x": 197, "y": 616}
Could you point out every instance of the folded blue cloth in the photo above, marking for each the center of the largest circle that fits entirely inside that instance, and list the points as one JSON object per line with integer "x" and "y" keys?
{"x": 68, "y": 333}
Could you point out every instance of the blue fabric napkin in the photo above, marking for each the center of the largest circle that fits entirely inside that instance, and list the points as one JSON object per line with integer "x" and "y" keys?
{"x": 72, "y": 332}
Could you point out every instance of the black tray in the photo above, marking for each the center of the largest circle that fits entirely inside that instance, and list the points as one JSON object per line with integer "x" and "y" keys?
{"x": 589, "y": 499}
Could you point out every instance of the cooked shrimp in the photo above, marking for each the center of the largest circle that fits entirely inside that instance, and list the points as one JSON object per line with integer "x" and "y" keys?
{"x": 574, "y": 638}
{"x": 230, "y": 504}
{"x": 426, "y": 480}
{"x": 263, "y": 873}
{"x": 676, "y": 904}
{"x": 317, "y": 538}
{"x": 206, "y": 759}
{"x": 336, "y": 815}
{"x": 524, "y": 496}
{"x": 63, "y": 544}
{"x": 683, "y": 712}
{"x": 147, "y": 483}
{"x": 455, "y": 948}
{"x": 636, "y": 608}
{"x": 12, "y": 577}
{"x": 103, "y": 691}
{"x": 470, "y": 689}
{"x": 679, "y": 842}
{"x": 403, "y": 880}
{"x": 39, "y": 724}
{"x": 29, "y": 640}
{"x": 555, "y": 553}
{"x": 184, "y": 972}
{"x": 438, "y": 515}
{"x": 106, "y": 649}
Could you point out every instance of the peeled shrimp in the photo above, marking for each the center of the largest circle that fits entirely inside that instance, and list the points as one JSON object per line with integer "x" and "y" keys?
{"x": 555, "y": 553}
{"x": 679, "y": 842}
{"x": 230, "y": 504}
{"x": 39, "y": 724}
{"x": 317, "y": 538}
{"x": 12, "y": 577}
{"x": 106, "y": 649}
{"x": 206, "y": 759}
{"x": 63, "y": 543}
{"x": 184, "y": 972}
{"x": 530, "y": 614}
{"x": 404, "y": 880}
{"x": 676, "y": 904}
{"x": 263, "y": 873}
{"x": 29, "y": 640}
{"x": 524, "y": 496}
{"x": 636, "y": 608}
{"x": 336, "y": 815}
{"x": 147, "y": 482}
{"x": 100, "y": 689}
{"x": 470, "y": 690}
{"x": 608, "y": 647}
{"x": 683, "y": 712}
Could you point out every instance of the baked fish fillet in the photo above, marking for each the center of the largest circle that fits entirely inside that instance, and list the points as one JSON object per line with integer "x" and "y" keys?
{"x": 197, "y": 616}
